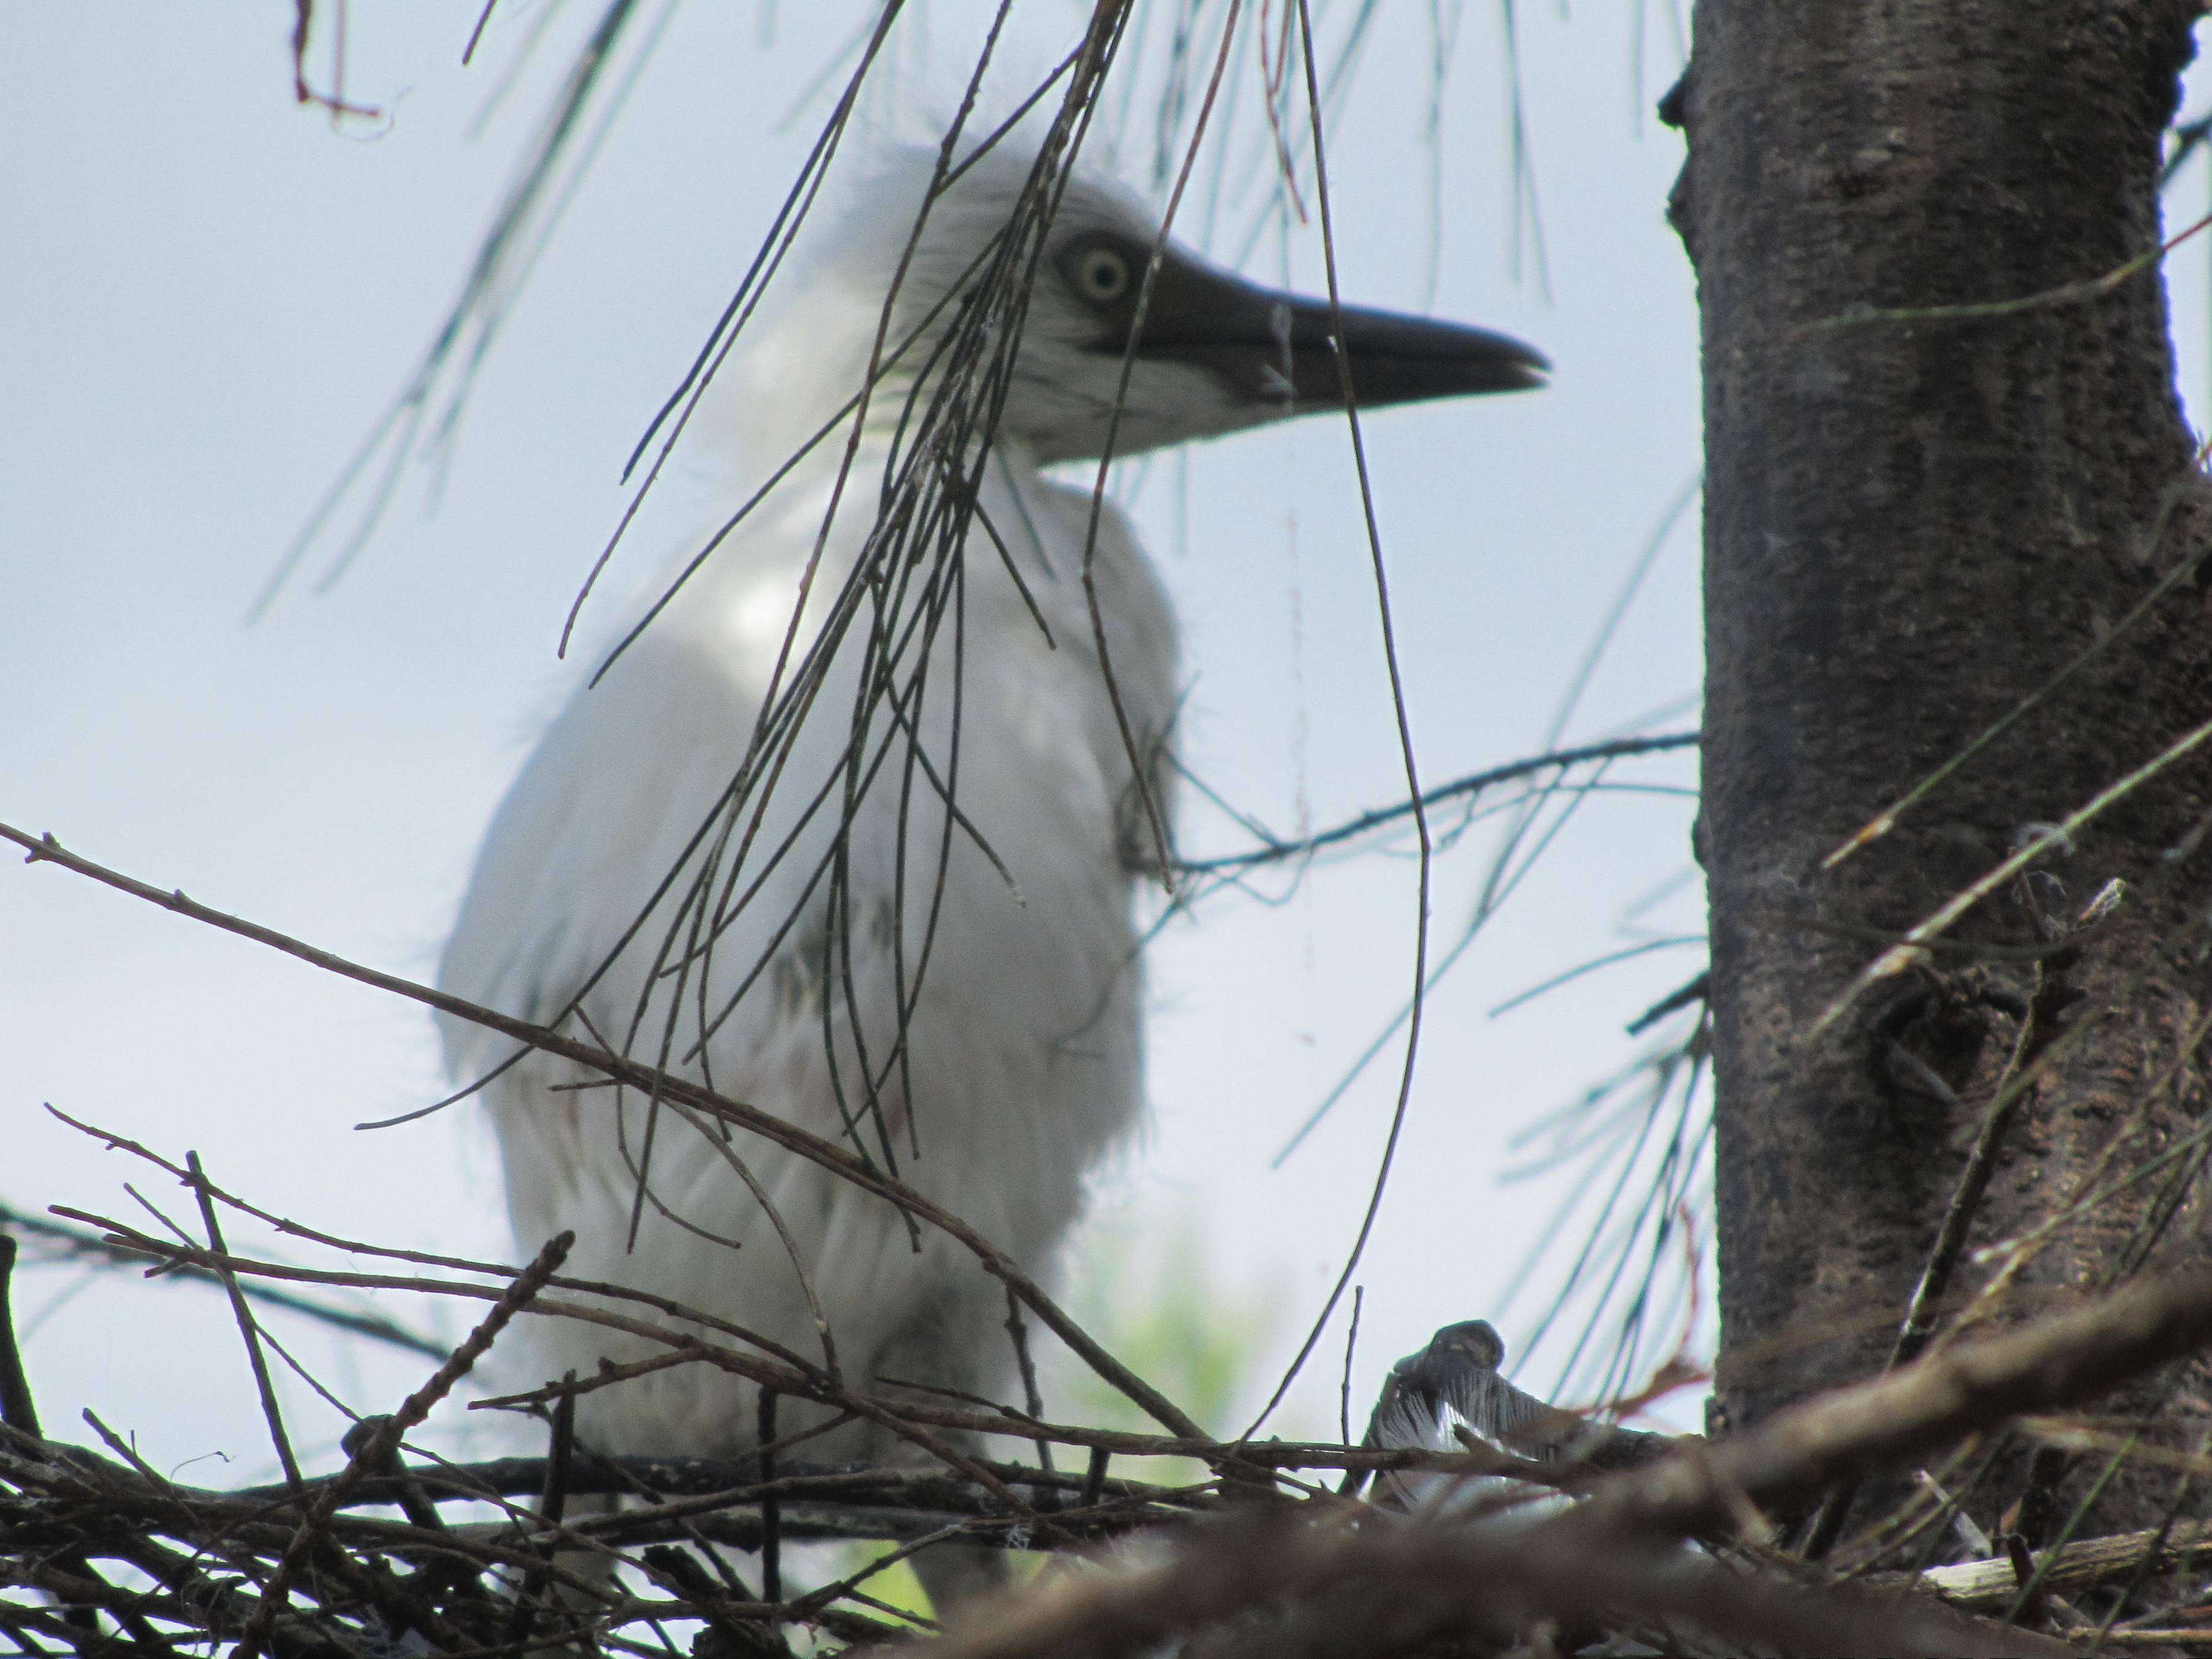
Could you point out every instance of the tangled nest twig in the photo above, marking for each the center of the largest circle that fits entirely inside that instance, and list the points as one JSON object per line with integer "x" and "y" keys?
{"x": 101, "y": 1553}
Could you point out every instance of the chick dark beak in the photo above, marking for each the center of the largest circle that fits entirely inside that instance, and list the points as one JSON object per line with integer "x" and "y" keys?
{"x": 1397, "y": 359}
{"x": 1277, "y": 351}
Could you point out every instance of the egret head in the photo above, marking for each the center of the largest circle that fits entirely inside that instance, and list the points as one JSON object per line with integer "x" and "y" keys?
{"x": 1106, "y": 359}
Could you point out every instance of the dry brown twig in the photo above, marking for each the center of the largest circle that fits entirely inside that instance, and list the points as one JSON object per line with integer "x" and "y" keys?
{"x": 1322, "y": 1575}
{"x": 656, "y": 1085}
{"x": 1623, "y": 1550}
{"x": 1914, "y": 1408}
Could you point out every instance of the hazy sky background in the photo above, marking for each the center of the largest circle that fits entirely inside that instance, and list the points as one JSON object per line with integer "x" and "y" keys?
{"x": 209, "y": 295}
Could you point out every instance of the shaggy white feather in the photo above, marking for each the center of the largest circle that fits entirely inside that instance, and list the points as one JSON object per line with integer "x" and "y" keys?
{"x": 1024, "y": 1059}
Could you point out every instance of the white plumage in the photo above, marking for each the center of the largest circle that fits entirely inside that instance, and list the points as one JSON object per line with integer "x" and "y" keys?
{"x": 1023, "y": 1063}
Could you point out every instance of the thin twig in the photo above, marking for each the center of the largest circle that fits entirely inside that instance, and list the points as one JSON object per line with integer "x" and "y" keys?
{"x": 552, "y": 1507}
{"x": 771, "y": 1553}
{"x": 2190, "y": 480}
{"x": 1351, "y": 1348}
{"x": 477, "y": 34}
{"x": 1918, "y": 1324}
{"x": 1032, "y": 1396}
{"x": 1911, "y": 945}
{"x": 17, "y": 1409}
{"x": 81, "y": 1241}
{"x": 380, "y": 1444}
{"x": 45, "y": 849}
{"x": 1682, "y": 996}
{"x": 247, "y": 1327}
{"x": 1274, "y": 852}
{"x": 2065, "y": 294}
{"x": 1416, "y": 809}
{"x": 2051, "y": 1362}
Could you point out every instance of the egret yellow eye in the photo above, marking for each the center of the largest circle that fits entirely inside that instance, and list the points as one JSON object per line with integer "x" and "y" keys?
{"x": 1102, "y": 276}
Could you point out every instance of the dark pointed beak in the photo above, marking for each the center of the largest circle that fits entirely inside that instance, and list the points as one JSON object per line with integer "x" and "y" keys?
{"x": 1277, "y": 352}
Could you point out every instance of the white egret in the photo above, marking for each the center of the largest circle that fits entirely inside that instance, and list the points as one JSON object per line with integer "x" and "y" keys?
{"x": 908, "y": 925}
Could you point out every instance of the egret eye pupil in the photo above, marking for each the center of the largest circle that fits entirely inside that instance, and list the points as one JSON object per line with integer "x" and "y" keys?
{"x": 1104, "y": 274}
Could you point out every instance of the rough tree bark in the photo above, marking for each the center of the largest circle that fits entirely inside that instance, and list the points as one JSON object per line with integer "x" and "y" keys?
{"x": 1912, "y": 526}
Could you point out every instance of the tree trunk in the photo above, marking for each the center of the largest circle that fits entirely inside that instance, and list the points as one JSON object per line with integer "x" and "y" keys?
{"x": 1912, "y": 525}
